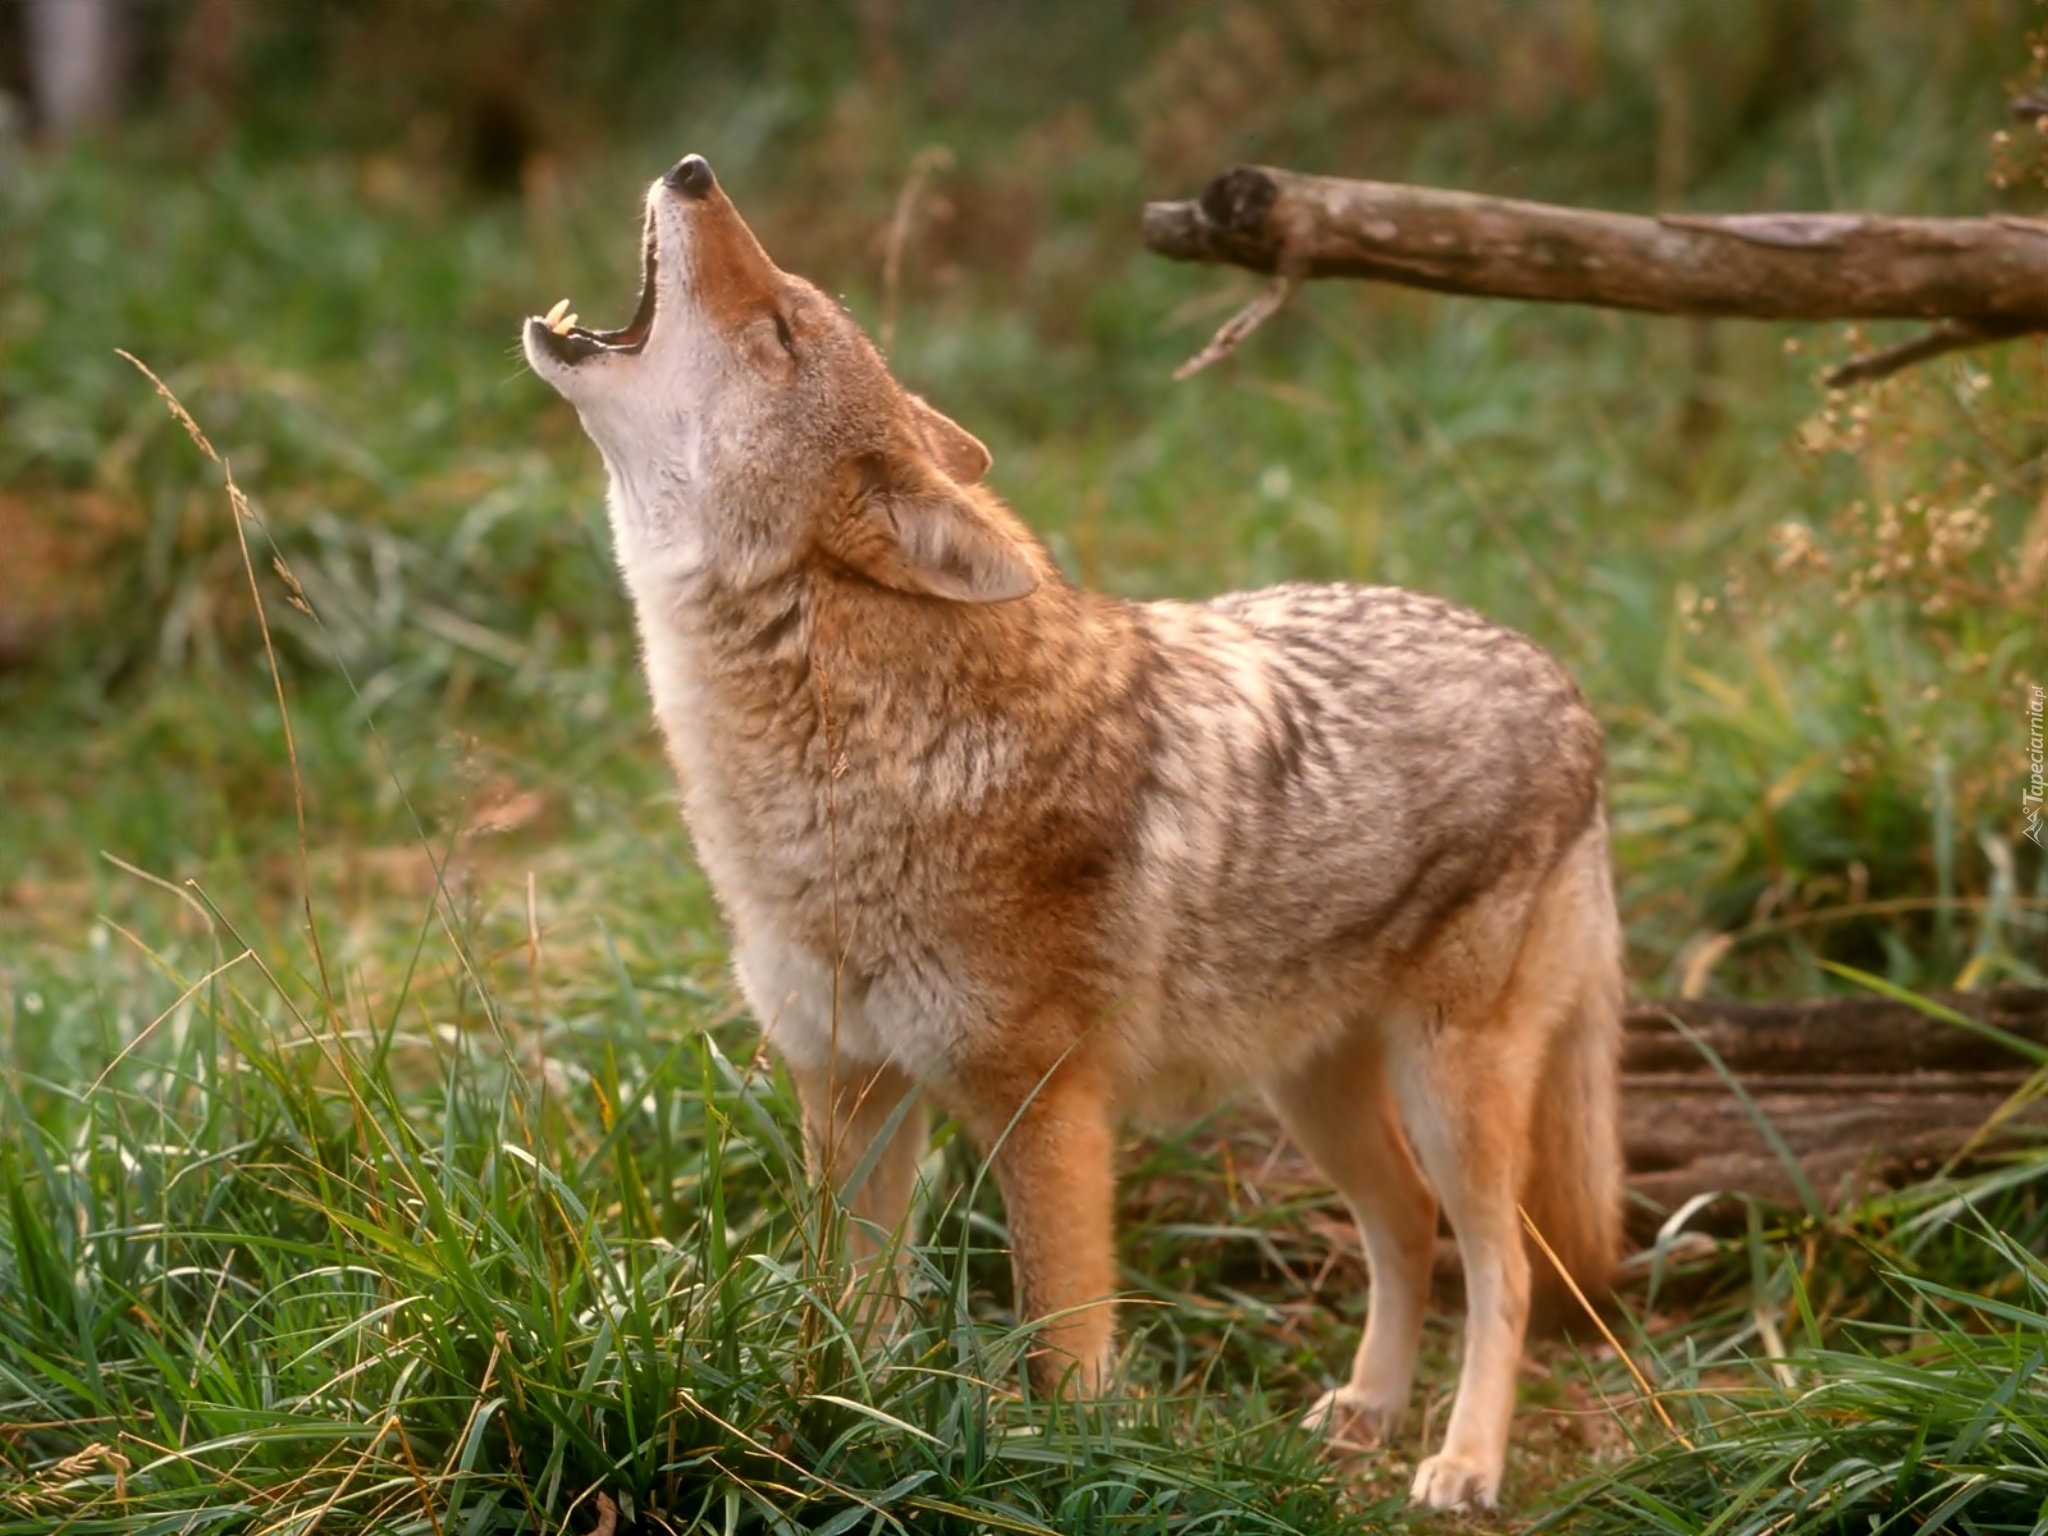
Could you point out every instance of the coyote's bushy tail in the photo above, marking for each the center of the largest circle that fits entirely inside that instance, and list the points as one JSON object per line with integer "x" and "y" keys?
{"x": 1574, "y": 1190}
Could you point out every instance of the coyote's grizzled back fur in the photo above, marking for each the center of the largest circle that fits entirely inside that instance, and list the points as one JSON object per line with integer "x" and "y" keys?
{"x": 1053, "y": 857}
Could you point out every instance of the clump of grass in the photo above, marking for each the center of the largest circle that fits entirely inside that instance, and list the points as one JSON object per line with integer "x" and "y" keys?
{"x": 298, "y": 1265}
{"x": 1939, "y": 1422}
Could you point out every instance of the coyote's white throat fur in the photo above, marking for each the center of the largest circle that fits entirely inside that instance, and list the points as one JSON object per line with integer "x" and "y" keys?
{"x": 1073, "y": 858}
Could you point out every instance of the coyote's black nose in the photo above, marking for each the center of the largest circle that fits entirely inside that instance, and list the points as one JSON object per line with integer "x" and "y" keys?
{"x": 690, "y": 176}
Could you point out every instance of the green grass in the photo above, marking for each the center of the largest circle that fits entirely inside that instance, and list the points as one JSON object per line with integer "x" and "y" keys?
{"x": 1938, "y": 1423}
{"x": 485, "y": 1204}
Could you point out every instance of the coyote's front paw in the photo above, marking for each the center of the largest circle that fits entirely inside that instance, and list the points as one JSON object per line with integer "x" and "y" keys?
{"x": 1349, "y": 1417}
{"x": 1445, "y": 1481}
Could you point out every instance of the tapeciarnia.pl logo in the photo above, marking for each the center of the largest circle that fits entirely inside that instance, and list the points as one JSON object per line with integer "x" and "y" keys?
{"x": 2030, "y": 798}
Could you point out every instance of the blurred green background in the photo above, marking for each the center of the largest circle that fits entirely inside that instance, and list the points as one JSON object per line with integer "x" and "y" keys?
{"x": 1809, "y": 625}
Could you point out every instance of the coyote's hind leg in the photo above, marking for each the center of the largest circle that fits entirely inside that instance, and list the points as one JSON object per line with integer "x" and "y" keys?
{"x": 1467, "y": 1089}
{"x": 1341, "y": 1111}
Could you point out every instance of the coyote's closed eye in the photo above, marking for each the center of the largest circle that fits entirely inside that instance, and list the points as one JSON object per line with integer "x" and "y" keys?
{"x": 1058, "y": 858}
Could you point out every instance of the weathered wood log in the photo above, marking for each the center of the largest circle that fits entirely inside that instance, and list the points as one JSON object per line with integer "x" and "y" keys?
{"x": 1835, "y": 1036}
{"x": 1864, "y": 1092}
{"x": 1983, "y": 279}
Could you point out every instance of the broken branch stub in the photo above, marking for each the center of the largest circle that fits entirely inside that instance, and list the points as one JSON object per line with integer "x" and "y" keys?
{"x": 1981, "y": 279}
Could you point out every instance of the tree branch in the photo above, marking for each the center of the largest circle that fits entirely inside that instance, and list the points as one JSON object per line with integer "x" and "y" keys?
{"x": 1943, "y": 338}
{"x": 1269, "y": 302}
{"x": 1986, "y": 279}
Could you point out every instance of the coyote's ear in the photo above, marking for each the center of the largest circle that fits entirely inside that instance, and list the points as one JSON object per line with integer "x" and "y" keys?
{"x": 955, "y": 449}
{"x": 913, "y": 529}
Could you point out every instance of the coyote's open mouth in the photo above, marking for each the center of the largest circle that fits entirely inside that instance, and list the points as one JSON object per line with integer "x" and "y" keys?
{"x": 567, "y": 342}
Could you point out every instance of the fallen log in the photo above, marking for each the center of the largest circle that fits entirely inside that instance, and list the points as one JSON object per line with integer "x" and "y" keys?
{"x": 1981, "y": 279}
{"x": 1835, "y": 1035}
{"x": 1863, "y": 1092}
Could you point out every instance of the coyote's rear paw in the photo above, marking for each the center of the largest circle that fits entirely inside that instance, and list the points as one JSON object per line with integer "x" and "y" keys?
{"x": 1348, "y": 1417}
{"x": 1453, "y": 1482}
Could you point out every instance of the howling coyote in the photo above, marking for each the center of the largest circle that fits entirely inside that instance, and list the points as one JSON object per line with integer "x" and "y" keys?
{"x": 1054, "y": 858}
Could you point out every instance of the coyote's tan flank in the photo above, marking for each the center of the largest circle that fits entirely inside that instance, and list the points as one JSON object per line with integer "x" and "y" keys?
{"x": 1073, "y": 858}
